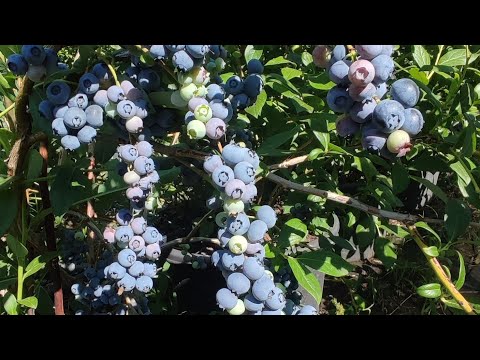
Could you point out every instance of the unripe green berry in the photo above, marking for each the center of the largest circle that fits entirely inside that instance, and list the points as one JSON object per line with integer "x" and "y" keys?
{"x": 187, "y": 92}
{"x": 239, "y": 309}
{"x": 196, "y": 129}
{"x": 203, "y": 113}
{"x": 233, "y": 206}
{"x": 238, "y": 244}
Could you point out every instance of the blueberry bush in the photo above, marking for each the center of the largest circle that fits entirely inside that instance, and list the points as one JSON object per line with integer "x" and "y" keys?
{"x": 239, "y": 179}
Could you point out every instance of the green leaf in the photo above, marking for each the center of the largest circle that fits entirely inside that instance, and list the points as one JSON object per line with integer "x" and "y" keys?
{"x": 45, "y": 303}
{"x": 4, "y": 83}
{"x": 39, "y": 263}
{"x": 105, "y": 149}
{"x": 425, "y": 226}
{"x": 10, "y": 304}
{"x": 277, "y": 140}
{"x": 290, "y": 73}
{"x": 9, "y": 204}
{"x": 278, "y": 61}
{"x": 470, "y": 141}
{"x": 430, "y": 291}
{"x": 396, "y": 230}
{"x": 35, "y": 162}
{"x": 314, "y": 154}
{"x": 16, "y": 247}
{"x": 167, "y": 176}
{"x": 326, "y": 262}
{"x": 147, "y": 59}
{"x": 461, "y": 272}
{"x": 269, "y": 251}
{"x": 6, "y": 139}
{"x": 419, "y": 75}
{"x": 39, "y": 123}
{"x": 323, "y": 138}
{"x": 431, "y": 251}
{"x": 430, "y": 95}
{"x": 351, "y": 219}
{"x": 256, "y": 109}
{"x": 306, "y": 279}
{"x": 29, "y": 302}
{"x": 307, "y": 58}
{"x": 460, "y": 171}
{"x": 66, "y": 190}
{"x": 343, "y": 243}
{"x": 421, "y": 56}
{"x": 38, "y": 219}
{"x": 5, "y": 283}
{"x": 365, "y": 232}
{"x": 321, "y": 82}
{"x": 293, "y": 233}
{"x": 252, "y": 53}
{"x": 432, "y": 187}
{"x": 458, "y": 218}
{"x": 400, "y": 178}
{"x": 456, "y": 57}
{"x": 161, "y": 98}
{"x": 365, "y": 166}
{"x": 385, "y": 251}
{"x": 466, "y": 97}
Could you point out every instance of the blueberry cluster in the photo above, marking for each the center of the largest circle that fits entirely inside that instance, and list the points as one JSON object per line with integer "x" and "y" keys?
{"x": 249, "y": 286}
{"x": 96, "y": 293}
{"x": 244, "y": 92}
{"x": 35, "y": 61}
{"x": 136, "y": 245}
{"x": 72, "y": 252}
{"x": 139, "y": 174}
{"x": 212, "y": 109}
{"x": 361, "y": 75}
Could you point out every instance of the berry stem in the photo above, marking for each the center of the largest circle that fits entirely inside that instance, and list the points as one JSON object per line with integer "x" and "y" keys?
{"x": 5, "y": 112}
{"x": 430, "y": 74}
{"x": 114, "y": 73}
{"x": 440, "y": 273}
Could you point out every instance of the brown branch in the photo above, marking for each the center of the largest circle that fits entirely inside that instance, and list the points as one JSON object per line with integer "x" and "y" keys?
{"x": 90, "y": 209}
{"x": 177, "y": 152}
{"x": 349, "y": 201}
{"x": 329, "y": 195}
{"x": 22, "y": 128}
{"x": 53, "y": 267}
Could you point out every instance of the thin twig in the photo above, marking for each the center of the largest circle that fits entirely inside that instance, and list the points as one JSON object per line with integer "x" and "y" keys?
{"x": 291, "y": 162}
{"x": 176, "y": 135}
{"x": 440, "y": 273}
{"x": 88, "y": 222}
{"x": 194, "y": 230}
